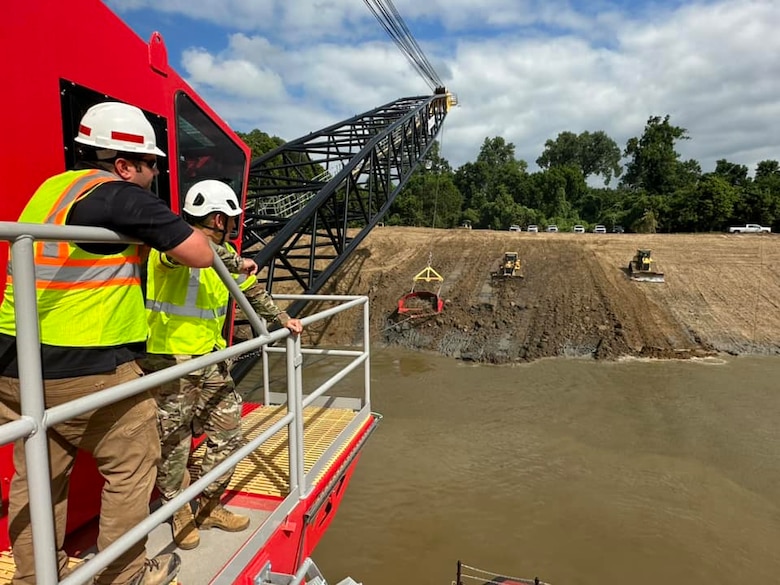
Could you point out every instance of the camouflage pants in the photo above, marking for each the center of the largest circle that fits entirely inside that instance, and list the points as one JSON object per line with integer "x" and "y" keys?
{"x": 205, "y": 401}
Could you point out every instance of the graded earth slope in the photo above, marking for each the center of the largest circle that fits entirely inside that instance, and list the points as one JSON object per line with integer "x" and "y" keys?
{"x": 722, "y": 294}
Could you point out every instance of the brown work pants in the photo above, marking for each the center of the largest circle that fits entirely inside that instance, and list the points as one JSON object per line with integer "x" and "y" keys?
{"x": 123, "y": 439}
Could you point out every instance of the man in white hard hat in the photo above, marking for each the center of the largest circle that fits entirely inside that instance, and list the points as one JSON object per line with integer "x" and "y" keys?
{"x": 92, "y": 329}
{"x": 186, "y": 312}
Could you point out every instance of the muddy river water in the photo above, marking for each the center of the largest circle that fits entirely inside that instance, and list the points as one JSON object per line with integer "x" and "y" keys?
{"x": 579, "y": 472}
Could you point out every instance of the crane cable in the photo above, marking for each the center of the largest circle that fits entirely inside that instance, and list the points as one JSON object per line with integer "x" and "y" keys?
{"x": 435, "y": 201}
{"x": 390, "y": 19}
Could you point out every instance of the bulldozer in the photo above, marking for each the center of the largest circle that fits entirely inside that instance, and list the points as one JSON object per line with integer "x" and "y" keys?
{"x": 641, "y": 268}
{"x": 510, "y": 266}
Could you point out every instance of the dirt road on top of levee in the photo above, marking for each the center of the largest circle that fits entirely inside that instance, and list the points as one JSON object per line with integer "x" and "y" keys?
{"x": 721, "y": 294}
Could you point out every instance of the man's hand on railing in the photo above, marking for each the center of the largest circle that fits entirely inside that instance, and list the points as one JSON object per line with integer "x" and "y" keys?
{"x": 295, "y": 326}
{"x": 248, "y": 266}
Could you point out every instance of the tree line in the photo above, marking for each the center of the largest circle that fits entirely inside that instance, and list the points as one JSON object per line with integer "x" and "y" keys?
{"x": 655, "y": 190}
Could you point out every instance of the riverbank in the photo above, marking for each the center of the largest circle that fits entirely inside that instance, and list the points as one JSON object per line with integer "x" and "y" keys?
{"x": 721, "y": 295}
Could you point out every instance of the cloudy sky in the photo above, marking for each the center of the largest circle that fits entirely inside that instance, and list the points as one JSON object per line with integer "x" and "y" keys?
{"x": 522, "y": 69}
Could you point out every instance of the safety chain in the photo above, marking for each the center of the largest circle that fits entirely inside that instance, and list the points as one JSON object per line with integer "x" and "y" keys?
{"x": 534, "y": 581}
{"x": 249, "y": 354}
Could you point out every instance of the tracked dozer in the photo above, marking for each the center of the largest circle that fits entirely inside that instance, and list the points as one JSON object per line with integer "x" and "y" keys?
{"x": 510, "y": 266}
{"x": 642, "y": 269}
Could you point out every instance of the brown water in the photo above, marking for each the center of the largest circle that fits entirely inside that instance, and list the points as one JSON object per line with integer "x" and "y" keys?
{"x": 578, "y": 472}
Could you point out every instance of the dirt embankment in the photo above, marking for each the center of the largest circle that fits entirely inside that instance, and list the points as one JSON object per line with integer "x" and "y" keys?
{"x": 722, "y": 294}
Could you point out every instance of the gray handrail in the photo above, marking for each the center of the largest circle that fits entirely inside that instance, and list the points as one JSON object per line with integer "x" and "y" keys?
{"x": 35, "y": 417}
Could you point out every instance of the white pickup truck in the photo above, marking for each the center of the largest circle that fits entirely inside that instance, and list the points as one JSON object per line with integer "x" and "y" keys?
{"x": 751, "y": 228}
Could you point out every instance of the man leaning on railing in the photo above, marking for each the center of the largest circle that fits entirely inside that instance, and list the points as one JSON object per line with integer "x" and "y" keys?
{"x": 92, "y": 329}
{"x": 186, "y": 312}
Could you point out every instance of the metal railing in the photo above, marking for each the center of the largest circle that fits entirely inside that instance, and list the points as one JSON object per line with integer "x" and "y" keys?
{"x": 35, "y": 418}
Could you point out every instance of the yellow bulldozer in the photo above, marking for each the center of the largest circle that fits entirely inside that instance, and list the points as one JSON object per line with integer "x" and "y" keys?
{"x": 642, "y": 269}
{"x": 510, "y": 266}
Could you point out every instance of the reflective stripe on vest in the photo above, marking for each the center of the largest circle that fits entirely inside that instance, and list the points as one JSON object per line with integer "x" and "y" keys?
{"x": 84, "y": 299}
{"x": 190, "y": 307}
{"x": 56, "y": 264}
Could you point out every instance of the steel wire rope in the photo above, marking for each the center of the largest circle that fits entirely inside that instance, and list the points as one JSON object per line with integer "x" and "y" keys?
{"x": 386, "y": 21}
{"x": 396, "y": 35}
{"x": 432, "y": 75}
{"x": 433, "y": 228}
{"x": 390, "y": 19}
{"x": 405, "y": 39}
{"x": 435, "y": 201}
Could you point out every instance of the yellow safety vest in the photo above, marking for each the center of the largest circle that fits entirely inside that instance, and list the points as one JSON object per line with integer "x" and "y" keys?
{"x": 186, "y": 307}
{"x": 84, "y": 299}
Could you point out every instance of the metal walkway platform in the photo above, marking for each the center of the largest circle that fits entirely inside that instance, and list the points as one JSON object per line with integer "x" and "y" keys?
{"x": 265, "y": 473}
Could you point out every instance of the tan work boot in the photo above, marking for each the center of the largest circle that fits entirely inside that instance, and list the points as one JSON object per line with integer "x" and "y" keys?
{"x": 158, "y": 571}
{"x": 211, "y": 514}
{"x": 185, "y": 533}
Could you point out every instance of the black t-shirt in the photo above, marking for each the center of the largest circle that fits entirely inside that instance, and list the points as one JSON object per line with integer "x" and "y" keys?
{"x": 130, "y": 210}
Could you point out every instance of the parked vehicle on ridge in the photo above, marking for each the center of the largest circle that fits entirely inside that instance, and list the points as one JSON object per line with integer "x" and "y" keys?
{"x": 750, "y": 228}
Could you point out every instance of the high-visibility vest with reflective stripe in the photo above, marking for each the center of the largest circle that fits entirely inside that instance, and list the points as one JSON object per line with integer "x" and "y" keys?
{"x": 186, "y": 307}
{"x": 84, "y": 299}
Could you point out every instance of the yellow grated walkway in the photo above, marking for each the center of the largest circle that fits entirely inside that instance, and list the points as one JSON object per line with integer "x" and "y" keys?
{"x": 267, "y": 470}
{"x": 7, "y": 567}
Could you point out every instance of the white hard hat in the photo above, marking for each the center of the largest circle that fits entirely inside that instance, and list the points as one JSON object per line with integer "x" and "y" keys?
{"x": 118, "y": 126}
{"x": 210, "y": 195}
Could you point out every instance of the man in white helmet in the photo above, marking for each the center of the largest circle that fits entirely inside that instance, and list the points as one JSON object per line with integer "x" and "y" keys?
{"x": 186, "y": 311}
{"x": 92, "y": 329}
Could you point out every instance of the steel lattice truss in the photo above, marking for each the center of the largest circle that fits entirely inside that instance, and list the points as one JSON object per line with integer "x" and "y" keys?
{"x": 313, "y": 200}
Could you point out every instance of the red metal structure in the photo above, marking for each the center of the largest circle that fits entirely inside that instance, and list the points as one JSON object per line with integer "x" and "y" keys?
{"x": 62, "y": 58}
{"x": 59, "y": 59}
{"x": 58, "y": 72}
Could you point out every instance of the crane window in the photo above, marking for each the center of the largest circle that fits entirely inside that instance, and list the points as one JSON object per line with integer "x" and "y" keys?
{"x": 205, "y": 151}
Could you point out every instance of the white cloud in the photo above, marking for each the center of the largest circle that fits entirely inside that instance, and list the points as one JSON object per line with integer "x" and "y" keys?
{"x": 236, "y": 77}
{"x": 712, "y": 66}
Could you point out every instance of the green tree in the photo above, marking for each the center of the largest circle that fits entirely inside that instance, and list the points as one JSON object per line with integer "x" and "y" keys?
{"x": 499, "y": 155}
{"x": 593, "y": 153}
{"x": 495, "y": 173}
{"x": 646, "y": 224}
{"x": 563, "y": 151}
{"x": 734, "y": 174}
{"x": 600, "y": 156}
{"x": 259, "y": 142}
{"x": 430, "y": 197}
{"x": 472, "y": 182}
{"x": 654, "y": 164}
{"x": 501, "y": 212}
{"x": 558, "y": 189}
{"x": 706, "y": 205}
{"x": 767, "y": 169}
{"x": 760, "y": 200}
{"x": 640, "y": 214}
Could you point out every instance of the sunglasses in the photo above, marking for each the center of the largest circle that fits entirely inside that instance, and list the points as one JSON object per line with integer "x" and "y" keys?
{"x": 151, "y": 163}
